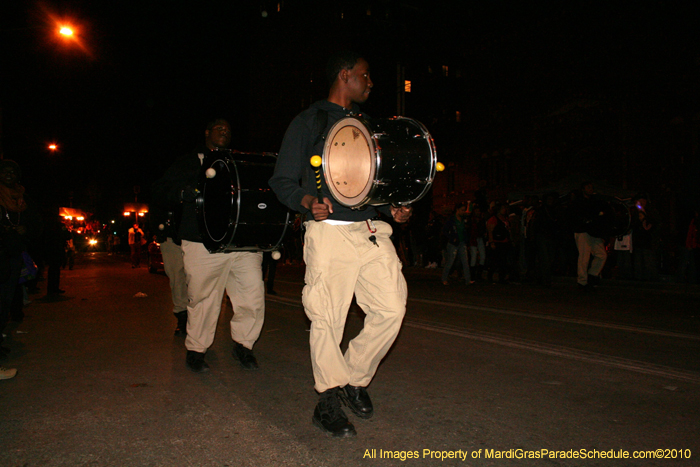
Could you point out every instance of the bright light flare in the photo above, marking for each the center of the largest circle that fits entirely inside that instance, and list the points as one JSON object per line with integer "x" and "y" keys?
{"x": 69, "y": 31}
{"x": 53, "y": 147}
{"x": 92, "y": 241}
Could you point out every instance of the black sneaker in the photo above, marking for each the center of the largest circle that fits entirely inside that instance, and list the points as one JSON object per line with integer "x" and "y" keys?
{"x": 329, "y": 417}
{"x": 195, "y": 362}
{"x": 245, "y": 357}
{"x": 356, "y": 399}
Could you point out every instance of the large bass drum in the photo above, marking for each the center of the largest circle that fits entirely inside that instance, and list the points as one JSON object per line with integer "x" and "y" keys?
{"x": 378, "y": 161}
{"x": 236, "y": 209}
{"x": 613, "y": 220}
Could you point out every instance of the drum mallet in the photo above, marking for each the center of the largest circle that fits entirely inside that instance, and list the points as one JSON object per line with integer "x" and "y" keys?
{"x": 316, "y": 162}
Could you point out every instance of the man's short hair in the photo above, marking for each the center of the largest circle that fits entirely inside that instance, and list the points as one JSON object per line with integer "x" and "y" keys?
{"x": 344, "y": 60}
{"x": 215, "y": 122}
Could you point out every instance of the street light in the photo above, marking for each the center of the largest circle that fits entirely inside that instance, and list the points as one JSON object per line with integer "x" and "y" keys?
{"x": 66, "y": 31}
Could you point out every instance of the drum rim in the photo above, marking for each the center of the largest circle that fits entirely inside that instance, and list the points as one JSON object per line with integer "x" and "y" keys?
{"x": 219, "y": 244}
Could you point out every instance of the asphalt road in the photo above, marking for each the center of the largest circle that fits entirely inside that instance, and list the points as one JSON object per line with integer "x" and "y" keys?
{"x": 495, "y": 374}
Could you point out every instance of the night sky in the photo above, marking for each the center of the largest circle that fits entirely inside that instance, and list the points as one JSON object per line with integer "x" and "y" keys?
{"x": 139, "y": 86}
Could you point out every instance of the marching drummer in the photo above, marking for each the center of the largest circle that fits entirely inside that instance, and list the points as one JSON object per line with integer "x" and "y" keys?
{"x": 208, "y": 275}
{"x": 346, "y": 252}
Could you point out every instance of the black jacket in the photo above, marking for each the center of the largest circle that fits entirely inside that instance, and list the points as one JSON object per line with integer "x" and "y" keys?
{"x": 167, "y": 196}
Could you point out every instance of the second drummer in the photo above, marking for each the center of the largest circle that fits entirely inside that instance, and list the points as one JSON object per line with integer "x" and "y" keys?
{"x": 346, "y": 252}
{"x": 210, "y": 274}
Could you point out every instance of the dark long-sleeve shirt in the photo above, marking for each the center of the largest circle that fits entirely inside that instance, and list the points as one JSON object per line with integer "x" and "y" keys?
{"x": 168, "y": 189}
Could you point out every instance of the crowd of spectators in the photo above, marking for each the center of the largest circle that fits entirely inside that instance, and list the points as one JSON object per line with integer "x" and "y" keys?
{"x": 532, "y": 240}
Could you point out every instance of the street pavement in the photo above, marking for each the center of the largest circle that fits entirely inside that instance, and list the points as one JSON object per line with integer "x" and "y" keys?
{"x": 486, "y": 375}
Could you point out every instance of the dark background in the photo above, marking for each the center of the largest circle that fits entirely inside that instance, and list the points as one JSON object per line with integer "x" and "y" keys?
{"x": 609, "y": 89}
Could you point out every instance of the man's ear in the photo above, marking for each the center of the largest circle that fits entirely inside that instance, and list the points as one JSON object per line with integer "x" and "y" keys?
{"x": 344, "y": 75}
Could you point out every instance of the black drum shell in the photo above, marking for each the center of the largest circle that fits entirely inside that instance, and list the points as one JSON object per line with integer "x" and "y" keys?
{"x": 236, "y": 209}
{"x": 614, "y": 218}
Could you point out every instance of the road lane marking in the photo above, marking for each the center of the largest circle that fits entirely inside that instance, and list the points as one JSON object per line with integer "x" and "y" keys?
{"x": 562, "y": 319}
{"x": 558, "y": 351}
{"x": 554, "y": 350}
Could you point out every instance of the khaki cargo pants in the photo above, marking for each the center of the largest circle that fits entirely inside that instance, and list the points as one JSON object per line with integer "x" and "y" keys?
{"x": 239, "y": 274}
{"x": 342, "y": 261}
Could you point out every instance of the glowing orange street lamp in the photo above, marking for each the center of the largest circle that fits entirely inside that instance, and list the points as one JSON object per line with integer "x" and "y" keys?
{"x": 53, "y": 147}
{"x": 66, "y": 31}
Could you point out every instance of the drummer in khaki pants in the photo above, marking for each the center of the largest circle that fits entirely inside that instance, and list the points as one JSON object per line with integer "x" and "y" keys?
{"x": 239, "y": 273}
{"x": 346, "y": 252}
{"x": 175, "y": 270}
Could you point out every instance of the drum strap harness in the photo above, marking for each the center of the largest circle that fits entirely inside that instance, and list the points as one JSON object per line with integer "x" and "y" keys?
{"x": 321, "y": 123}
{"x": 372, "y": 231}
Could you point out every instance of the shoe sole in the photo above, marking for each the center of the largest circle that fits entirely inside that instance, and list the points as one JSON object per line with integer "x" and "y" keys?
{"x": 247, "y": 368}
{"x": 345, "y": 434}
{"x": 346, "y": 403}
{"x": 204, "y": 369}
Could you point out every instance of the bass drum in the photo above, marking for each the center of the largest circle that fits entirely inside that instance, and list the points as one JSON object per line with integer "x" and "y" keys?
{"x": 236, "y": 209}
{"x": 378, "y": 161}
{"x": 614, "y": 218}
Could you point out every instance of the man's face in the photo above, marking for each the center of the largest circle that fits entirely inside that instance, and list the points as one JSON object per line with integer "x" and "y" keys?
{"x": 218, "y": 137}
{"x": 8, "y": 176}
{"x": 359, "y": 83}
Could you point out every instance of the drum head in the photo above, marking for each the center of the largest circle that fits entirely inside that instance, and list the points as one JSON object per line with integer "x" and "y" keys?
{"x": 349, "y": 161}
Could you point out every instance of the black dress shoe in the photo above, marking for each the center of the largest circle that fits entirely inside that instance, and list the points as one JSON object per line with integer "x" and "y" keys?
{"x": 245, "y": 357}
{"x": 593, "y": 281}
{"x": 330, "y": 418}
{"x": 195, "y": 362}
{"x": 181, "y": 329}
{"x": 357, "y": 400}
